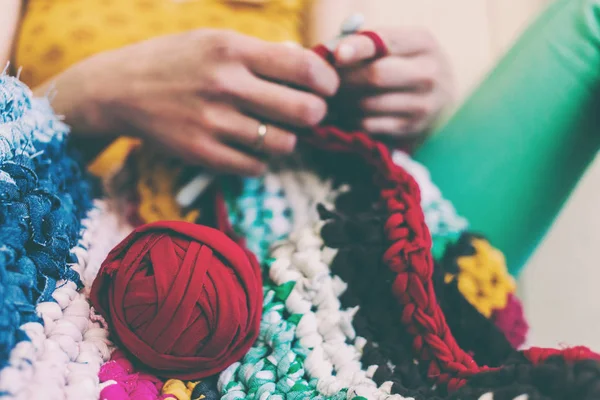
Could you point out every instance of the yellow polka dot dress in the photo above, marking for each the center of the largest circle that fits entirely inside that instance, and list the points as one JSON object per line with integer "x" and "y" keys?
{"x": 56, "y": 34}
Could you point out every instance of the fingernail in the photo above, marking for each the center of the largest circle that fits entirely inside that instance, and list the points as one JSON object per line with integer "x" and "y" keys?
{"x": 292, "y": 44}
{"x": 292, "y": 141}
{"x": 345, "y": 53}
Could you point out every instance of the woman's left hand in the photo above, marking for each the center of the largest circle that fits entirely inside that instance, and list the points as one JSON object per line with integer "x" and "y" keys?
{"x": 399, "y": 94}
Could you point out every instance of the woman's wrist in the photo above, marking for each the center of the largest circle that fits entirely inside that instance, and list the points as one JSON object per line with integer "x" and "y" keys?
{"x": 79, "y": 94}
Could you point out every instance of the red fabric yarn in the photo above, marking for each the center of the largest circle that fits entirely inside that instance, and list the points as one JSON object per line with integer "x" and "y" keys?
{"x": 184, "y": 299}
{"x": 409, "y": 254}
{"x": 381, "y": 49}
{"x": 324, "y": 52}
{"x": 538, "y": 355}
{"x": 511, "y": 321}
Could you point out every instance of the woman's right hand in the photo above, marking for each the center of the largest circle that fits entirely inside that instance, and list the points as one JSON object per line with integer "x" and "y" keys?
{"x": 201, "y": 95}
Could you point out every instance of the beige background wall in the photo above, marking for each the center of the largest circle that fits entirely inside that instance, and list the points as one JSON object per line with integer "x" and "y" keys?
{"x": 559, "y": 287}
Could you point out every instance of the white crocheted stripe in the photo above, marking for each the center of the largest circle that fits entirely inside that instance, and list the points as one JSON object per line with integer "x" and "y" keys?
{"x": 334, "y": 349}
{"x": 64, "y": 356}
{"x": 274, "y": 344}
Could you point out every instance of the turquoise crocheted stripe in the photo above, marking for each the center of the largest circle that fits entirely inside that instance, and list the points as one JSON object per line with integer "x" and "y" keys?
{"x": 274, "y": 366}
{"x": 446, "y": 229}
{"x": 251, "y": 218}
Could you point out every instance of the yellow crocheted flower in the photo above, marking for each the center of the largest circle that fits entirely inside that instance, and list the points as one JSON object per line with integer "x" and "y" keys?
{"x": 180, "y": 390}
{"x": 483, "y": 278}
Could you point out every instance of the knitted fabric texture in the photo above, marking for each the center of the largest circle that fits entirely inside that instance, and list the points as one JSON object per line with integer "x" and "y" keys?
{"x": 67, "y": 347}
{"x": 43, "y": 197}
{"x": 373, "y": 287}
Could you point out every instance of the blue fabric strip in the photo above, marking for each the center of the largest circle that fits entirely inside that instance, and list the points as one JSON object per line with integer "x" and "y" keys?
{"x": 44, "y": 194}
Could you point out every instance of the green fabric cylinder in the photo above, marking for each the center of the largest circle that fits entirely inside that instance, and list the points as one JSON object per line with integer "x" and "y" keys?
{"x": 512, "y": 154}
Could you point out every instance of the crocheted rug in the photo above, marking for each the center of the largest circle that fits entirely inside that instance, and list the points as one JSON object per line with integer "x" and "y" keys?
{"x": 337, "y": 321}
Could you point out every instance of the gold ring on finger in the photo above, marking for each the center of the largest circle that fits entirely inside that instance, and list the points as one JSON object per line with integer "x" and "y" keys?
{"x": 261, "y": 134}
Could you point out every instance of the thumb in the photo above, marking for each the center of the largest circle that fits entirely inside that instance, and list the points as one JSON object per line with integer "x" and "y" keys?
{"x": 367, "y": 45}
{"x": 354, "y": 49}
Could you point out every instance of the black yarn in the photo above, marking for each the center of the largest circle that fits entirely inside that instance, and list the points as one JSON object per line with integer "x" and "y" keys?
{"x": 360, "y": 238}
{"x": 356, "y": 229}
{"x": 341, "y": 168}
{"x": 206, "y": 390}
{"x": 554, "y": 379}
{"x": 462, "y": 247}
{"x": 387, "y": 342}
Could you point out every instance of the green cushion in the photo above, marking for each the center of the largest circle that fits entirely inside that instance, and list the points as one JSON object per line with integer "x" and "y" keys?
{"x": 511, "y": 155}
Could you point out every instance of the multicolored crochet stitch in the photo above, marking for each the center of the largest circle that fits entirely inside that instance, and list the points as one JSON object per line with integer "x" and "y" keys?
{"x": 43, "y": 197}
{"x": 363, "y": 298}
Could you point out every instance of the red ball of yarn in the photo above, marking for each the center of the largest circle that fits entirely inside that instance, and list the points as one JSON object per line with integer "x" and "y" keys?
{"x": 184, "y": 299}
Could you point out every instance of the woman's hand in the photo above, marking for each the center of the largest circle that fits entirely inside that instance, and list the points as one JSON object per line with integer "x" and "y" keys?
{"x": 400, "y": 94}
{"x": 201, "y": 95}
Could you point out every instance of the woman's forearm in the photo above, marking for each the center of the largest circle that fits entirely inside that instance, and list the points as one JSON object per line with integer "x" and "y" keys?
{"x": 9, "y": 19}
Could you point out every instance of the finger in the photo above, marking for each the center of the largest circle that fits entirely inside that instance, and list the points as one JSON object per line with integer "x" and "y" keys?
{"x": 239, "y": 128}
{"x": 398, "y": 41}
{"x": 406, "y": 103}
{"x": 394, "y": 73}
{"x": 221, "y": 158}
{"x": 295, "y": 66}
{"x": 280, "y": 104}
{"x": 388, "y": 125}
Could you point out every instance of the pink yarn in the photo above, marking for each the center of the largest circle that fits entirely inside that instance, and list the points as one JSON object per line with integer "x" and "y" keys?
{"x": 511, "y": 321}
{"x": 129, "y": 384}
